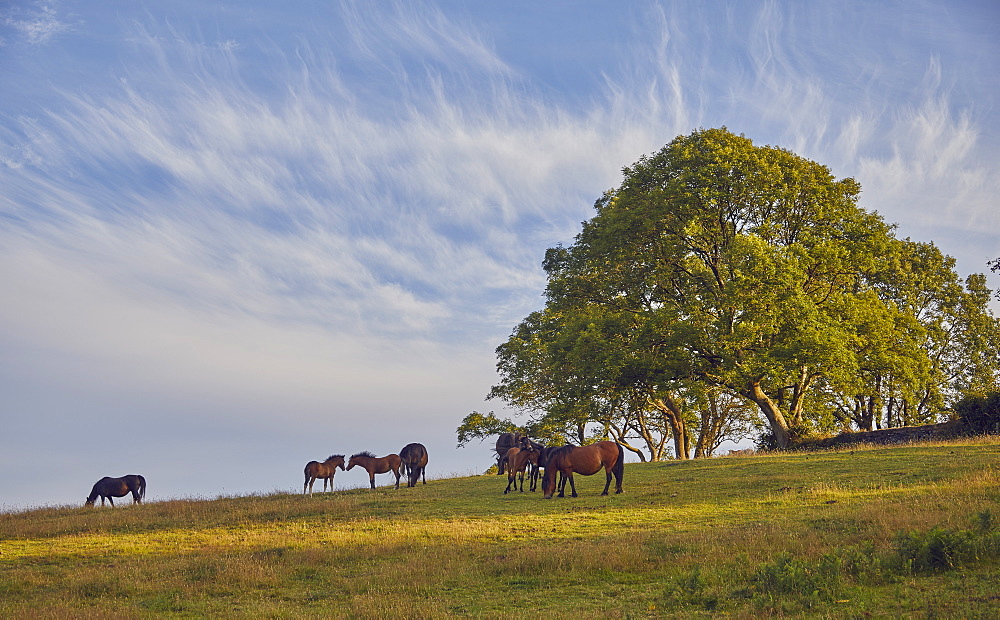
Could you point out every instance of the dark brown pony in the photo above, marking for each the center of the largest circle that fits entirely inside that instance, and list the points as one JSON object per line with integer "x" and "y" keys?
{"x": 414, "y": 459}
{"x": 517, "y": 463}
{"x": 118, "y": 487}
{"x": 585, "y": 460}
{"x": 315, "y": 470}
{"x": 376, "y": 465}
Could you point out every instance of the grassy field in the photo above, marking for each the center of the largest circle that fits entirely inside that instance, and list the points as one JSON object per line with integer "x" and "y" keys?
{"x": 891, "y": 532}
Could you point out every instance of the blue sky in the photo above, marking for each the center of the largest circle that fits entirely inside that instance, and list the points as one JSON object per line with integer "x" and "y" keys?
{"x": 238, "y": 236}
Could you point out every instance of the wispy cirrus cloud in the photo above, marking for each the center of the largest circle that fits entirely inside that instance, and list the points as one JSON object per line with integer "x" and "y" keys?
{"x": 305, "y": 207}
{"x": 35, "y": 24}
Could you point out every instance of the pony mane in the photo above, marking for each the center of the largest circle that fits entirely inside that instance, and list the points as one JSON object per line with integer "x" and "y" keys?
{"x": 562, "y": 449}
{"x": 365, "y": 454}
{"x": 334, "y": 456}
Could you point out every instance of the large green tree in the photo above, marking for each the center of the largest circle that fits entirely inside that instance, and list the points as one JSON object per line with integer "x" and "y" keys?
{"x": 718, "y": 269}
{"x": 739, "y": 267}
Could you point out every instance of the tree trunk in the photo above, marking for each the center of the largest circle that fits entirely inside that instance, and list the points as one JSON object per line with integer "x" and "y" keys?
{"x": 799, "y": 391}
{"x": 771, "y": 412}
{"x": 672, "y": 412}
{"x": 709, "y": 429}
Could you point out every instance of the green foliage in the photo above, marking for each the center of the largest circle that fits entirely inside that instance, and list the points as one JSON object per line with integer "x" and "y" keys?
{"x": 815, "y": 581}
{"x": 765, "y": 441}
{"x": 692, "y": 589}
{"x": 936, "y": 550}
{"x": 480, "y": 426}
{"x": 980, "y": 415}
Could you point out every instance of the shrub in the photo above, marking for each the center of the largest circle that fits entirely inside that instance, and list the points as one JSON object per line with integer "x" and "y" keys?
{"x": 691, "y": 588}
{"x": 980, "y": 415}
{"x": 812, "y": 580}
{"x": 934, "y": 551}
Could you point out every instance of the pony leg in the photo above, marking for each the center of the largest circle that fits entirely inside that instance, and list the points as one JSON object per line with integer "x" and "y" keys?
{"x": 572, "y": 485}
{"x": 110, "y": 499}
{"x": 619, "y": 469}
{"x": 396, "y": 471}
{"x": 607, "y": 483}
{"x": 371, "y": 479}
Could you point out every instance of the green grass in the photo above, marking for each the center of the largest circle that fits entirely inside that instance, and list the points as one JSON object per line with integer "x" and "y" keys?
{"x": 891, "y": 532}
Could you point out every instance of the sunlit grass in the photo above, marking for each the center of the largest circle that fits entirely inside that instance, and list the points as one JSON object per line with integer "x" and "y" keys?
{"x": 685, "y": 538}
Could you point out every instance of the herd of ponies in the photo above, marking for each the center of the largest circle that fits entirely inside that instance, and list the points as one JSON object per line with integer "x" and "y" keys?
{"x": 517, "y": 456}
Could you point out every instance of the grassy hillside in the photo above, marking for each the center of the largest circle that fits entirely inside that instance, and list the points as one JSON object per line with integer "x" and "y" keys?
{"x": 906, "y": 531}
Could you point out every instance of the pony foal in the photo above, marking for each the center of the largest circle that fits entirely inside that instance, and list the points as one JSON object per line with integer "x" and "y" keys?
{"x": 315, "y": 470}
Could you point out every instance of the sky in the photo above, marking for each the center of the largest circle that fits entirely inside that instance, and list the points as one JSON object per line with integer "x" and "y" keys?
{"x": 236, "y": 236}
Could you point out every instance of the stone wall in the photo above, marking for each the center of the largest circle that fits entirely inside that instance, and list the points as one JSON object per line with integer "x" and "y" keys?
{"x": 887, "y": 436}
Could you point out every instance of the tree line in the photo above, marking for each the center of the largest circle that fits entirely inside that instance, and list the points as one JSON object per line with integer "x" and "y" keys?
{"x": 726, "y": 290}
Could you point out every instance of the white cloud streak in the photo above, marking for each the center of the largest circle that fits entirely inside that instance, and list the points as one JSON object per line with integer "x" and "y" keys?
{"x": 36, "y": 24}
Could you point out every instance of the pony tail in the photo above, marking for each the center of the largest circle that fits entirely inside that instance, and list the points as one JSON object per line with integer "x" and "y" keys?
{"x": 142, "y": 487}
{"x": 620, "y": 463}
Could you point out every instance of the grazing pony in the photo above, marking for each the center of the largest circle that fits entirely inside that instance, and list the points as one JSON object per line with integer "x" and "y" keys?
{"x": 108, "y": 487}
{"x": 414, "y": 459}
{"x": 375, "y": 465}
{"x": 522, "y": 459}
{"x": 315, "y": 470}
{"x": 585, "y": 460}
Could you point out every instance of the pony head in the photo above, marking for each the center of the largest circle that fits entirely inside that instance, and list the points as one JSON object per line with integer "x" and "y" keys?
{"x": 364, "y": 455}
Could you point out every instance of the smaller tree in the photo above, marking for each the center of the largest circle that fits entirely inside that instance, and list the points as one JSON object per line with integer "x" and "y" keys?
{"x": 723, "y": 416}
{"x": 480, "y": 426}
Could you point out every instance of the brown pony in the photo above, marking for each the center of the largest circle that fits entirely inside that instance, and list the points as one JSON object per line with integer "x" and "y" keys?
{"x": 586, "y": 460}
{"x": 505, "y": 442}
{"x": 376, "y": 465}
{"x": 522, "y": 459}
{"x": 414, "y": 459}
{"x": 325, "y": 471}
{"x": 118, "y": 487}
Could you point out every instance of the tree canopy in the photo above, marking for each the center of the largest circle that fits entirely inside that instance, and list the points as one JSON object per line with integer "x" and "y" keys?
{"x": 719, "y": 269}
